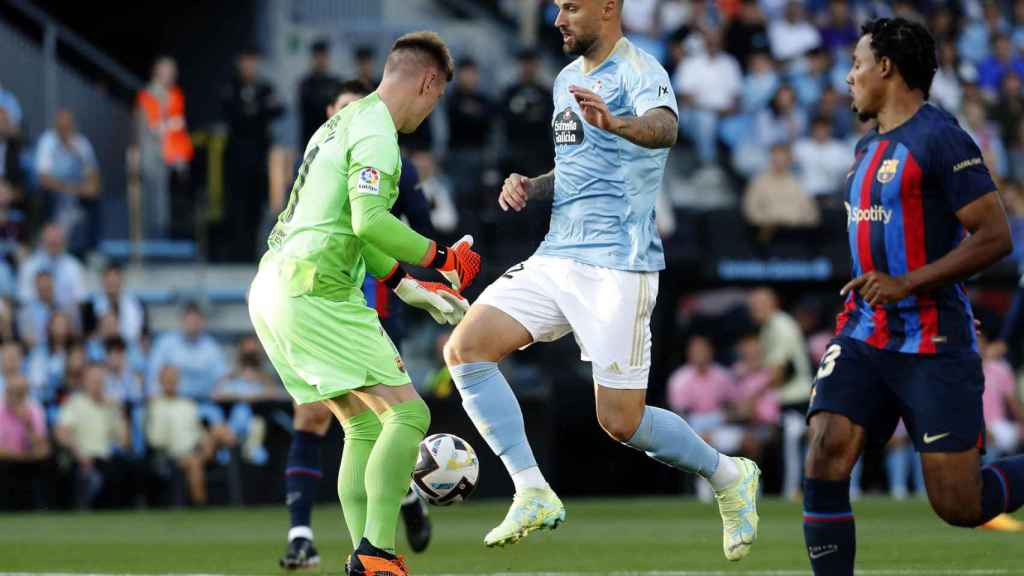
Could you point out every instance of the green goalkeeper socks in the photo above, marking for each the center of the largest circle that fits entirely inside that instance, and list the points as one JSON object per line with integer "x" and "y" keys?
{"x": 389, "y": 469}
{"x": 361, "y": 432}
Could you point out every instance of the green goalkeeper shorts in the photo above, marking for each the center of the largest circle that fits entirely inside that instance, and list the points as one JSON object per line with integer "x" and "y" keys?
{"x": 321, "y": 348}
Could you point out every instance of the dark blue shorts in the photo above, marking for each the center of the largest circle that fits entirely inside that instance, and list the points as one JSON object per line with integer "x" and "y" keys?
{"x": 938, "y": 396}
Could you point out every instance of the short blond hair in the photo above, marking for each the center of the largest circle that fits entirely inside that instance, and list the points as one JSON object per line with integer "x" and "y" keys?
{"x": 425, "y": 46}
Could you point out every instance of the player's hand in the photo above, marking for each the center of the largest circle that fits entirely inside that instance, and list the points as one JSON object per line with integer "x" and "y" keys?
{"x": 514, "y": 192}
{"x": 878, "y": 288}
{"x": 462, "y": 264}
{"x": 595, "y": 110}
{"x": 443, "y": 304}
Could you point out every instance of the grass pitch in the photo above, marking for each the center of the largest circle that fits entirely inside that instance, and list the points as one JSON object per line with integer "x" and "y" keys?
{"x": 670, "y": 536}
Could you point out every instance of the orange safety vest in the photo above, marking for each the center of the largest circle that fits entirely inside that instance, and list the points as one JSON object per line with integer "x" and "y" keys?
{"x": 177, "y": 145}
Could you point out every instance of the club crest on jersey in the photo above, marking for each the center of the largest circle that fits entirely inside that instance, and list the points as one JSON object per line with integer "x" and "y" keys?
{"x": 887, "y": 171}
{"x": 567, "y": 128}
{"x": 369, "y": 181}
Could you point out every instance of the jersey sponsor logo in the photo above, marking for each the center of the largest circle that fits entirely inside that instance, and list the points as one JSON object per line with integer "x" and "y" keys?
{"x": 568, "y": 128}
{"x": 887, "y": 171}
{"x": 963, "y": 165}
{"x": 872, "y": 214}
{"x": 369, "y": 181}
{"x": 662, "y": 91}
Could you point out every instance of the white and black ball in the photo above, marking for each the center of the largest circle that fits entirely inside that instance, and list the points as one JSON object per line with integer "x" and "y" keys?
{"x": 446, "y": 471}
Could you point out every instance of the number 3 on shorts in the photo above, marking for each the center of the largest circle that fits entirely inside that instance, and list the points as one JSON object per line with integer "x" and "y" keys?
{"x": 828, "y": 361}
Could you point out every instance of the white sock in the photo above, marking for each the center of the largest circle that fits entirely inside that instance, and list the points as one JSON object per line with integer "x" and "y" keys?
{"x": 300, "y": 532}
{"x": 529, "y": 478}
{"x": 725, "y": 474}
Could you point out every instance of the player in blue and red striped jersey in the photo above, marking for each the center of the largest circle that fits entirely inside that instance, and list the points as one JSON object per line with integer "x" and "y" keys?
{"x": 923, "y": 216}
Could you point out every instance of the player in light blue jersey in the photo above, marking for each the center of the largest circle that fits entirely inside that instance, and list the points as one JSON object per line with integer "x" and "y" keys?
{"x": 595, "y": 275}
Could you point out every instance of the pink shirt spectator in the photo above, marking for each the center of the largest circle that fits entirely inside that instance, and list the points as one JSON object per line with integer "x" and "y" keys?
{"x": 999, "y": 384}
{"x": 15, "y": 436}
{"x": 700, "y": 393}
{"x": 750, "y": 383}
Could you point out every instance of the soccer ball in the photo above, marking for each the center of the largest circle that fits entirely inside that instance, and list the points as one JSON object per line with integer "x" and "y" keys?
{"x": 446, "y": 470}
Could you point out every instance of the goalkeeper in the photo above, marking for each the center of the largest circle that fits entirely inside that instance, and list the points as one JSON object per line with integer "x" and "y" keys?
{"x": 307, "y": 305}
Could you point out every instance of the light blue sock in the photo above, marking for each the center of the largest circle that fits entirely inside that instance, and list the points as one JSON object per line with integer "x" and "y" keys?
{"x": 667, "y": 438}
{"x": 494, "y": 410}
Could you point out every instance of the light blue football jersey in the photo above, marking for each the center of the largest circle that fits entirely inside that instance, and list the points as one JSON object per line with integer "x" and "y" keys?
{"x": 605, "y": 186}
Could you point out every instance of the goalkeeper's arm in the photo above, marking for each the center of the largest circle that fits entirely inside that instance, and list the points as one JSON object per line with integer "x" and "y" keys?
{"x": 374, "y": 224}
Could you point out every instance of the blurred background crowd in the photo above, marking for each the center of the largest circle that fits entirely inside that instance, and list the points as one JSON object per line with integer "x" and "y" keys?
{"x": 139, "y": 176}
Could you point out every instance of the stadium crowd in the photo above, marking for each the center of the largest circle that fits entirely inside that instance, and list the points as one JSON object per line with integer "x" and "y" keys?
{"x": 91, "y": 396}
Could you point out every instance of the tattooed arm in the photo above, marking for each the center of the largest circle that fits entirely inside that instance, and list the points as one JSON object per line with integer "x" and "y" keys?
{"x": 518, "y": 189}
{"x": 657, "y": 128}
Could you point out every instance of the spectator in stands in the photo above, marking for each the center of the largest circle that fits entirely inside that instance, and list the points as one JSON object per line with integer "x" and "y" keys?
{"x": 946, "y": 90}
{"x": 822, "y": 161}
{"x": 249, "y": 381}
{"x": 68, "y": 278}
{"x": 785, "y": 352}
{"x": 747, "y": 34}
{"x": 106, "y": 328}
{"x": 123, "y": 383}
{"x": 175, "y": 433}
{"x": 781, "y": 123}
{"x": 1008, "y": 111}
{"x": 793, "y": 35}
{"x": 701, "y": 108}
{"x": 12, "y": 361}
{"x": 526, "y": 111}
{"x": 196, "y": 355}
{"x": 1002, "y": 61}
{"x": 9, "y": 104}
{"x": 69, "y": 176}
{"x": 1017, "y": 33}
{"x": 317, "y": 90}
{"x": 756, "y": 403}
{"x": 92, "y": 428}
{"x": 12, "y": 177}
{"x": 114, "y": 299}
{"x": 366, "y": 67}
{"x": 34, "y": 316}
{"x": 840, "y": 32}
{"x": 471, "y": 118}
{"x": 249, "y": 106}
{"x": 810, "y": 76}
{"x": 775, "y": 198}
{"x": 23, "y": 446}
{"x": 48, "y": 362}
{"x": 702, "y": 392}
{"x": 1004, "y": 417}
{"x": 165, "y": 153}
{"x": 836, "y": 110}
{"x": 760, "y": 83}
{"x": 975, "y": 36}
{"x": 986, "y": 135}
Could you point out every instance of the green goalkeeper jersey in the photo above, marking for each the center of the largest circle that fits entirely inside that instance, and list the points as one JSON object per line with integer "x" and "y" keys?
{"x": 337, "y": 223}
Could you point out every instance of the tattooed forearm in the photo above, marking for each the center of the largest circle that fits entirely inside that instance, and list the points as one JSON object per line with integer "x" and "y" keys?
{"x": 658, "y": 128}
{"x": 543, "y": 186}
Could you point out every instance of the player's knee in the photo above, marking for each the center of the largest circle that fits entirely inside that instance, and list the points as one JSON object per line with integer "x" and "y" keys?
{"x": 955, "y": 513}
{"x": 620, "y": 426}
{"x": 462, "y": 350}
{"x": 830, "y": 454}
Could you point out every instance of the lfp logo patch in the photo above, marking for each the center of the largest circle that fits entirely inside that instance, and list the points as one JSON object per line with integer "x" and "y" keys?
{"x": 369, "y": 181}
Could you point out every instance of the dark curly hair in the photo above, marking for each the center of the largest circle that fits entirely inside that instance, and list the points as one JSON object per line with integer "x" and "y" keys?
{"x": 910, "y": 47}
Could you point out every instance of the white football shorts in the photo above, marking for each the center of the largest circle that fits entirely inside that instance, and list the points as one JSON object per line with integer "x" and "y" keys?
{"x": 608, "y": 311}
